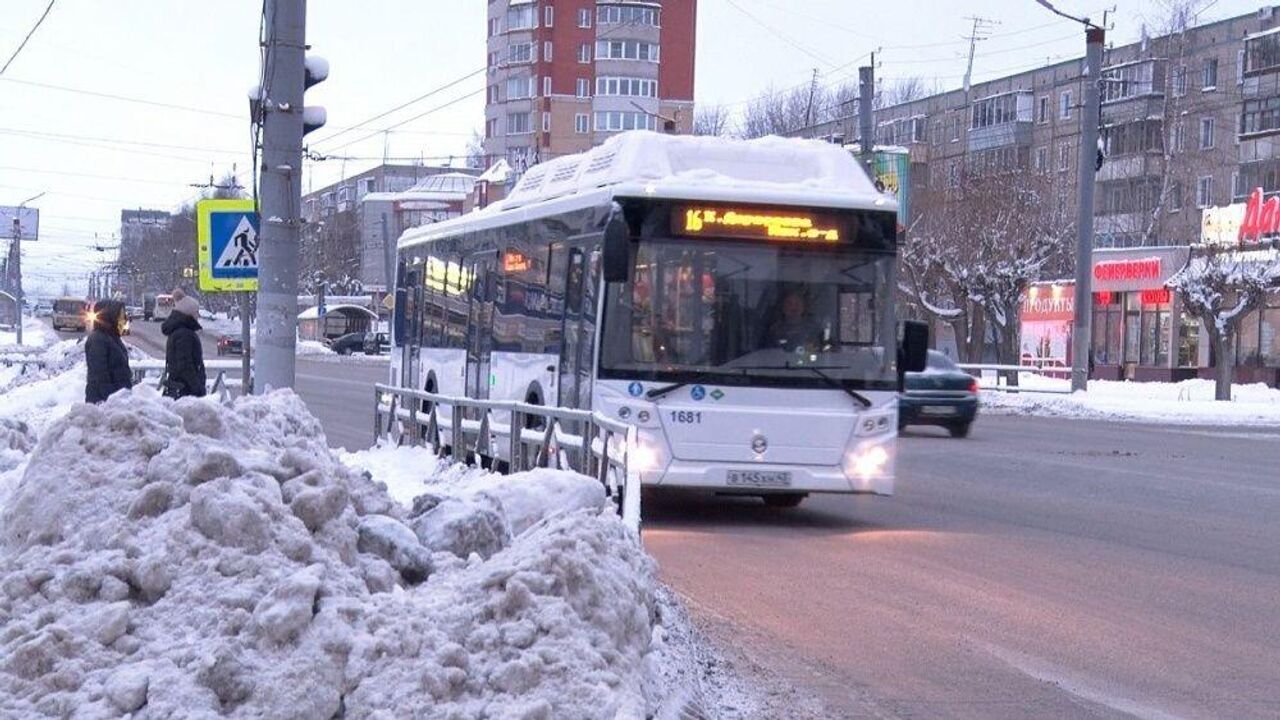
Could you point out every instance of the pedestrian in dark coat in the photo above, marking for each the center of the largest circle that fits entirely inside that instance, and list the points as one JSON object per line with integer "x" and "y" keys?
{"x": 183, "y": 354}
{"x": 105, "y": 353}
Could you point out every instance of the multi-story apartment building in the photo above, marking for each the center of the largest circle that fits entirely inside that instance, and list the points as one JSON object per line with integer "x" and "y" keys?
{"x": 148, "y": 260}
{"x": 564, "y": 75}
{"x": 1189, "y": 120}
{"x": 336, "y": 237}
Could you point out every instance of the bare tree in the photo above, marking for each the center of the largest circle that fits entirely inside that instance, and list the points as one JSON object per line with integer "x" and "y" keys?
{"x": 711, "y": 120}
{"x": 476, "y": 157}
{"x": 1220, "y": 287}
{"x": 779, "y": 112}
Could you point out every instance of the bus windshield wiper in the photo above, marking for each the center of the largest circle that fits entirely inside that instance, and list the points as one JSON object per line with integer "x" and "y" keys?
{"x": 701, "y": 377}
{"x": 817, "y": 370}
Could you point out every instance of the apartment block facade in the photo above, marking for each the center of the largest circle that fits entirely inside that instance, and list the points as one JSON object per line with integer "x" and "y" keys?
{"x": 564, "y": 75}
{"x": 1188, "y": 120}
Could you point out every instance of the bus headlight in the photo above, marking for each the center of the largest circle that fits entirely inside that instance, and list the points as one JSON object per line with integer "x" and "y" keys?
{"x": 868, "y": 462}
{"x": 647, "y": 455}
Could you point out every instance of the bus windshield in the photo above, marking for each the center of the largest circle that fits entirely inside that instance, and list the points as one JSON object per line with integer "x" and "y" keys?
{"x": 752, "y": 314}
{"x": 68, "y": 307}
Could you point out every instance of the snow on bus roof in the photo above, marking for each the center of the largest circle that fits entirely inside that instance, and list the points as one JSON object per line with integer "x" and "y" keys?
{"x": 771, "y": 169}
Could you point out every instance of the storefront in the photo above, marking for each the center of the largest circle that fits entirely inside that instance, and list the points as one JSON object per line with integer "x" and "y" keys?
{"x": 1139, "y": 329}
{"x": 1047, "y": 314}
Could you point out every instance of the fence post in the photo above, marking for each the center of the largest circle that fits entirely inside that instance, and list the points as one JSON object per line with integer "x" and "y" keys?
{"x": 413, "y": 421}
{"x": 456, "y": 431}
{"x": 377, "y": 413}
{"x": 631, "y": 487}
{"x": 515, "y": 443}
{"x": 433, "y": 429}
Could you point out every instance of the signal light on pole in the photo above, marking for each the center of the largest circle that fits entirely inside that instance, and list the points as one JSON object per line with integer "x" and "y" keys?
{"x": 317, "y": 71}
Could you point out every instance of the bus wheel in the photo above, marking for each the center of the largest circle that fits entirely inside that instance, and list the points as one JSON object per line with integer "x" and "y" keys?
{"x": 784, "y": 500}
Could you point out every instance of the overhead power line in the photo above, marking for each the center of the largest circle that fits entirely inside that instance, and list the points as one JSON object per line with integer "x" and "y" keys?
{"x": 401, "y": 106}
{"x": 23, "y": 44}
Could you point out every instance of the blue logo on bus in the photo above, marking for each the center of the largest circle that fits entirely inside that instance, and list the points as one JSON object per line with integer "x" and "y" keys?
{"x": 697, "y": 392}
{"x": 635, "y": 389}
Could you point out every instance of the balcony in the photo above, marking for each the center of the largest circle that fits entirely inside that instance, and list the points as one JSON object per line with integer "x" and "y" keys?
{"x": 1000, "y": 121}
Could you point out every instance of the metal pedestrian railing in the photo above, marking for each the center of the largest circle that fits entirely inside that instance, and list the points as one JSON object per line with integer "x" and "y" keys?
{"x": 227, "y": 382}
{"x": 514, "y": 436}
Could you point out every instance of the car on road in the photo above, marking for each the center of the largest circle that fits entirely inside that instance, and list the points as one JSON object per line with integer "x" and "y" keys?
{"x": 942, "y": 395}
{"x": 44, "y": 308}
{"x": 347, "y": 344}
{"x": 230, "y": 345}
{"x": 133, "y": 311}
{"x": 376, "y": 343}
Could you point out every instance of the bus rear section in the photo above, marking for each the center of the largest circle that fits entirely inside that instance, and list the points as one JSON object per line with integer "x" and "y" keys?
{"x": 163, "y": 306}
{"x": 69, "y": 314}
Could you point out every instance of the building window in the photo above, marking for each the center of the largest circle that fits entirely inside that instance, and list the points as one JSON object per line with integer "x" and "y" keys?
{"x": 522, "y": 17}
{"x": 584, "y": 53}
{"x": 493, "y": 59}
{"x": 626, "y": 87}
{"x": 548, "y": 16}
{"x": 1064, "y": 157}
{"x": 546, "y": 122}
{"x": 1042, "y": 159}
{"x": 584, "y": 17}
{"x": 626, "y": 50}
{"x": 1132, "y": 137}
{"x": 546, "y": 86}
{"x": 581, "y": 124}
{"x": 546, "y": 51}
{"x": 1042, "y": 112}
{"x": 1064, "y": 105}
{"x": 1127, "y": 81}
{"x": 1204, "y": 192}
{"x": 1175, "y": 196}
{"x": 1261, "y": 53}
{"x": 493, "y": 26}
{"x": 584, "y": 87}
{"x": 1179, "y": 137}
{"x": 521, "y": 53}
{"x": 1209, "y": 79}
{"x": 626, "y": 15}
{"x": 1001, "y": 109}
{"x": 492, "y": 95}
{"x": 1236, "y": 192}
{"x": 491, "y": 127}
{"x": 1206, "y": 133}
{"x": 955, "y": 129}
{"x": 519, "y": 124}
{"x": 1260, "y": 116}
{"x": 519, "y": 88}
{"x": 1180, "y": 81}
{"x": 371, "y": 185}
{"x": 614, "y": 121}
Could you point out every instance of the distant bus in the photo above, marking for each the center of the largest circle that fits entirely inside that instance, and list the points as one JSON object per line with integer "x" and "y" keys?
{"x": 69, "y": 314}
{"x": 164, "y": 304}
{"x": 744, "y": 323}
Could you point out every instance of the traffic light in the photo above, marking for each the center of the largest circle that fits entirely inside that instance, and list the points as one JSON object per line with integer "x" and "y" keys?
{"x": 317, "y": 71}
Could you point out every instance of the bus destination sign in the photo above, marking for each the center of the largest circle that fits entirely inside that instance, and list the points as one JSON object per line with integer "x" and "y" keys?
{"x": 753, "y": 224}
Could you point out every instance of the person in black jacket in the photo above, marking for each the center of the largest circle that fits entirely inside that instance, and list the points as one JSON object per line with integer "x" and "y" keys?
{"x": 105, "y": 354}
{"x": 183, "y": 354}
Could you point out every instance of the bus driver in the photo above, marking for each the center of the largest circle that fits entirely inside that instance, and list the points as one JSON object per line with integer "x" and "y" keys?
{"x": 794, "y": 328}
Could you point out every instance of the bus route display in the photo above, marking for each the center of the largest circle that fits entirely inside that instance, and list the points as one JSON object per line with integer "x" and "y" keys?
{"x": 755, "y": 224}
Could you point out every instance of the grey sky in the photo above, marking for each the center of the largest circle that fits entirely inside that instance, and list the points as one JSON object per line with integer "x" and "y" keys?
{"x": 204, "y": 55}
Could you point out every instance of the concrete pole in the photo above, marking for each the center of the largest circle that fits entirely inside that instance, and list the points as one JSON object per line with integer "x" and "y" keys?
{"x": 866, "y": 124}
{"x": 280, "y": 188}
{"x": 17, "y": 269}
{"x": 1081, "y": 336}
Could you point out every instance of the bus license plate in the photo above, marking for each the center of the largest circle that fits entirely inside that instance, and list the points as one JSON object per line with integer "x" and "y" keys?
{"x": 938, "y": 410}
{"x": 759, "y": 478}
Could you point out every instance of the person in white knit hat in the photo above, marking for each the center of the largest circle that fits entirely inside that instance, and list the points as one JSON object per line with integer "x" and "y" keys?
{"x": 183, "y": 354}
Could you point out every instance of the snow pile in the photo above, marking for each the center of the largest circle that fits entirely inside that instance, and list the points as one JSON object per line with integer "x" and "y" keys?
{"x": 312, "y": 347}
{"x": 191, "y": 559}
{"x": 34, "y": 334}
{"x": 1186, "y": 402}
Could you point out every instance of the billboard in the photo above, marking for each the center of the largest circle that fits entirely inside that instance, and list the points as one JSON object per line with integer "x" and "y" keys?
{"x": 25, "y": 219}
{"x": 891, "y": 170}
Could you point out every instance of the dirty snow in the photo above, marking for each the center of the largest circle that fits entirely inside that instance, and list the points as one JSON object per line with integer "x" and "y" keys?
{"x": 35, "y": 334}
{"x": 1188, "y": 402}
{"x": 193, "y": 559}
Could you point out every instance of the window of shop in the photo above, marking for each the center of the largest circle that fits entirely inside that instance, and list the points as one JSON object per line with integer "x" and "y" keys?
{"x": 1107, "y": 324}
{"x": 1258, "y": 342}
{"x": 1156, "y": 326}
{"x": 1132, "y": 327}
{"x": 1189, "y": 342}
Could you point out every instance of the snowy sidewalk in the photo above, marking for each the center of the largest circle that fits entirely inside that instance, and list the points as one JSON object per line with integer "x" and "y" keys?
{"x": 1189, "y": 402}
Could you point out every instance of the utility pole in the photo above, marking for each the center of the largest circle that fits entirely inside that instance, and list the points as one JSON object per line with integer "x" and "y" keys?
{"x": 280, "y": 185}
{"x": 866, "y": 122}
{"x": 808, "y": 110}
{"x": 979, "y": 25}
{"x": 1081, "y": 330}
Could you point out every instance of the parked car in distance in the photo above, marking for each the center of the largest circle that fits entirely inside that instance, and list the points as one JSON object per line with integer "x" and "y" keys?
{"x": 942, "y": 395}
{"x": 230, "y": 345}
{"x": 133, "y": 311}
{"x": 376, "y": 343}
{"x": 44, "y": 308}
{"x": 349, "y": 343}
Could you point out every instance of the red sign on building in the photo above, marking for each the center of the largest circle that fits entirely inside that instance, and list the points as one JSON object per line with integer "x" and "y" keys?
{"x": 1261, "y": 219}
{"x": 1142, "y": 269}
{"x": 1049, "y": 302}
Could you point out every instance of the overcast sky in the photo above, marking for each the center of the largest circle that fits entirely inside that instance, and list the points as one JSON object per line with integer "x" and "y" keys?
{"x": 95, "y": 155}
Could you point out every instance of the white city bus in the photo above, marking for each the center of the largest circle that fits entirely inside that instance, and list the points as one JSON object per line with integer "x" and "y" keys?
{"x": 732, "y": 299}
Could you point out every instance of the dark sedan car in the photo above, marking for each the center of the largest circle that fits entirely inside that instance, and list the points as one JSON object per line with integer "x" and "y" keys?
{"x": 349, "y": 343}
{"x": 942, "y": 395}
{"x": 230, "y": 345}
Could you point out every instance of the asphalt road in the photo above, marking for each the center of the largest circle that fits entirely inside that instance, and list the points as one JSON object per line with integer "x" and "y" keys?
{"x": 1039, "y": 569}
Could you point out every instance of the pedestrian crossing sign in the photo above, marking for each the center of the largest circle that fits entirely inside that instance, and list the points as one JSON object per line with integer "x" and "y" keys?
{"x": 227, "y": 245}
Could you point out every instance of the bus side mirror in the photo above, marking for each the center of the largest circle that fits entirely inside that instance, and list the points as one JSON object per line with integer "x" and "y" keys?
{"x": 914, "y": 352}
{"x": 617, "y": 250}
